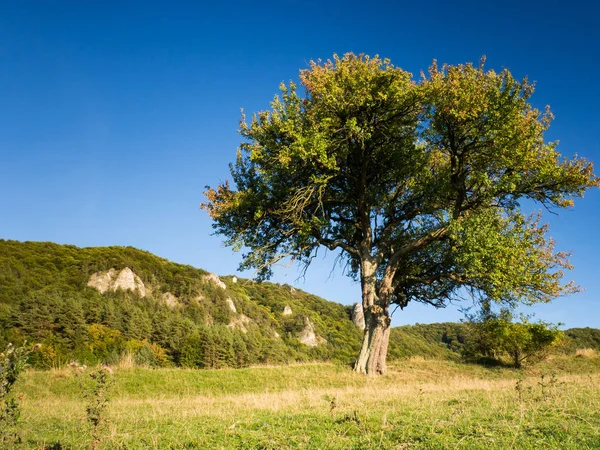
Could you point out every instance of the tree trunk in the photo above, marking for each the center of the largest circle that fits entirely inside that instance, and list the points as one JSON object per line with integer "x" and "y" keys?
{"x": 373, "y": 353}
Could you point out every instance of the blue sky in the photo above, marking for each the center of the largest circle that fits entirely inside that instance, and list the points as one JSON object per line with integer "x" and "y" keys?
{"x": 115, "y": 115}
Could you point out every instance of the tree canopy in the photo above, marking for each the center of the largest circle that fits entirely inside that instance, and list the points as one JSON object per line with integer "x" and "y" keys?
{"x": 418, "y": 184}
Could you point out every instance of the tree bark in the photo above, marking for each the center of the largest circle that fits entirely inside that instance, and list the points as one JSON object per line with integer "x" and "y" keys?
{"x": 376, "y": 308}
{"x": 373, "y": 353}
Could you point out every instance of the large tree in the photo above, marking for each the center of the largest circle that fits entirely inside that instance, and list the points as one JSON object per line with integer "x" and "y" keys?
{"x": 417, "y": 185}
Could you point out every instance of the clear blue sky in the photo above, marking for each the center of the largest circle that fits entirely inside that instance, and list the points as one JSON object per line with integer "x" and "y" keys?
{"x": 115, "y": 115}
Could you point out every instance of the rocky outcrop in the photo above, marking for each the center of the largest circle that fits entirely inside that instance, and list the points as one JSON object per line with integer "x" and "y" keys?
{"x": 240, "y": 322}
{"x": 111, "y": 280}
{"x": 170, "y": 300}
{"x": 358, "y": 316}
{"x": 287, "y": 311}
{"x": 212, "y": 278}
{"x": 102, "y": 281}
{"x": 308, "y": 336}
{"x": 231, "y": 305}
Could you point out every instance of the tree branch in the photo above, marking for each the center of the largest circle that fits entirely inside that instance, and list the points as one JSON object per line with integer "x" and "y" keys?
{"x": 427, "y": 239}
{"x": 332, "y": 245}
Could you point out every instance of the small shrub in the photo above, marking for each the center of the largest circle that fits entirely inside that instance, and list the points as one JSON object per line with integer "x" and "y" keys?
{"x": 12, "y": 362}
{"x": 97, "y": 403}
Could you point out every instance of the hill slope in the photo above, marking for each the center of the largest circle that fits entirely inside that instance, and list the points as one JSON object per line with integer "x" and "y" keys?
{"x": 96, "y": 304}
{"x": 184, "y": 316}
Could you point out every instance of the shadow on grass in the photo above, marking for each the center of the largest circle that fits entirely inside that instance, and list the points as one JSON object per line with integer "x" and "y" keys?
{"x": 55, "y": 446}
{"x": 488, "y": 362}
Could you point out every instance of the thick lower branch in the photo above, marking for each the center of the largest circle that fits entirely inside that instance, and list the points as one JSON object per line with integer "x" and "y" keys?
{"x": 332, "y": 245}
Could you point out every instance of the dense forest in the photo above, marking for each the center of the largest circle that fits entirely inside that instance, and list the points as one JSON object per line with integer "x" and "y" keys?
{"x": 185, "y": 316}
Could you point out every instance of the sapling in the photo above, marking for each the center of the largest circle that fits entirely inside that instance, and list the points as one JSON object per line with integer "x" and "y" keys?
{"x": 12, "y": 362}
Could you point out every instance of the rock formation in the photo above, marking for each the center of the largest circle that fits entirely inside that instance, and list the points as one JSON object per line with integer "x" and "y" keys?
{"x": 212, "y": 278}
{"x": 308, "y": 336}
{"x": 231, "y": 305}
{"x": 170, "y": 300}
{"x": 240, "y": 322}
{"x": 111, "y": 280}
{"x": 287, "y": 311}
{"x": 358, "y": 316}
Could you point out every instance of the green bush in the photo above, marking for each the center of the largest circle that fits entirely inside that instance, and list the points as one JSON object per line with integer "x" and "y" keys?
{"x": 12, "y": 362}
{"x": 497, "y": 338}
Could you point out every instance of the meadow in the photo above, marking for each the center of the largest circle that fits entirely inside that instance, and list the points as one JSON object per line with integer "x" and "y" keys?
{"x": 419, "y": 404}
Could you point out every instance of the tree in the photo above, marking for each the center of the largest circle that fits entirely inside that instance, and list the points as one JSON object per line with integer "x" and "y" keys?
{"x": 498, "y": 337}
{"x": 416, "y": 185}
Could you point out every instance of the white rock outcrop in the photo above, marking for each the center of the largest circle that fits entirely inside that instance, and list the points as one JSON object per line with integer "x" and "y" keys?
{"x": 171, "y": 300}
{"x": 358, "y": 316}
{"x": 111, "y": 280}
{"x": 102, "y": 281}
{"x": 287, "y": 311}
{"x": 308, "y": 336}
{"x": 231, "y": 304}
{"x": 240, "y": 322}
{"x": 213, "y": 278}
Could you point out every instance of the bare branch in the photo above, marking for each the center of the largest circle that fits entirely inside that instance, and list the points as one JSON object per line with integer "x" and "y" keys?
{"x": 332, "y": 245}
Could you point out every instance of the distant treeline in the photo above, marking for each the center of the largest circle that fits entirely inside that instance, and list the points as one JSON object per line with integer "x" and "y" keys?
{"x": 44, "y": 298}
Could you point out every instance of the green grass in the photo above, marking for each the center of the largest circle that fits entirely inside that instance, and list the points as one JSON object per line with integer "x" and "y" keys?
{"x": 419, "y": 404}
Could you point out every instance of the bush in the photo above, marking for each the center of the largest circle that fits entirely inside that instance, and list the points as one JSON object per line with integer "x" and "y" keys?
{"x": 497, "y": 338}
{"x": 12, "y": 362}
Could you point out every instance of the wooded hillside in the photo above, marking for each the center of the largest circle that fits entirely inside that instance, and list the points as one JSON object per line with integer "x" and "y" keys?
{"x": 185, "y": 316}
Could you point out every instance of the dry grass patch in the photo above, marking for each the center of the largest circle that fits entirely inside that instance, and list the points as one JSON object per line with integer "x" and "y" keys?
{"x": 586, "y": 353}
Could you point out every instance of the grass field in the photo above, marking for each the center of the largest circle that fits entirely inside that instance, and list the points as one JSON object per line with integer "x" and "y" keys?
{"x": 418, "y": 404}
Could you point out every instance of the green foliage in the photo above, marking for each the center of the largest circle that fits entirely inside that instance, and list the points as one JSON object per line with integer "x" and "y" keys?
{"x": 12, "y": 362}
{"x": 97, "y": 403}
{"x": 497, "y": 337}
{"x": 416, "y": 185}
{"x": 419, "y": 181}
{"x": 77, "y": 323}
{"x": 581, "y": 338}
{"x": 435, "y": 341}
{"x": 44, "y": 298}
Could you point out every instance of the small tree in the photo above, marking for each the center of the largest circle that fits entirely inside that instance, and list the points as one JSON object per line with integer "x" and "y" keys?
{"x": 498, "y": 337}
{"x": 417, "y": 185}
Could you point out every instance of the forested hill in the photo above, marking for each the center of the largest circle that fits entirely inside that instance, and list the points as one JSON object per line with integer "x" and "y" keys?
{"x": 168, "y": 314}
{"x": 100, "y": 304}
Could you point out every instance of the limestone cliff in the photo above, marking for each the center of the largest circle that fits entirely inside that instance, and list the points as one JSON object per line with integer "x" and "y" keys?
{"x": 111, "y": 280}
